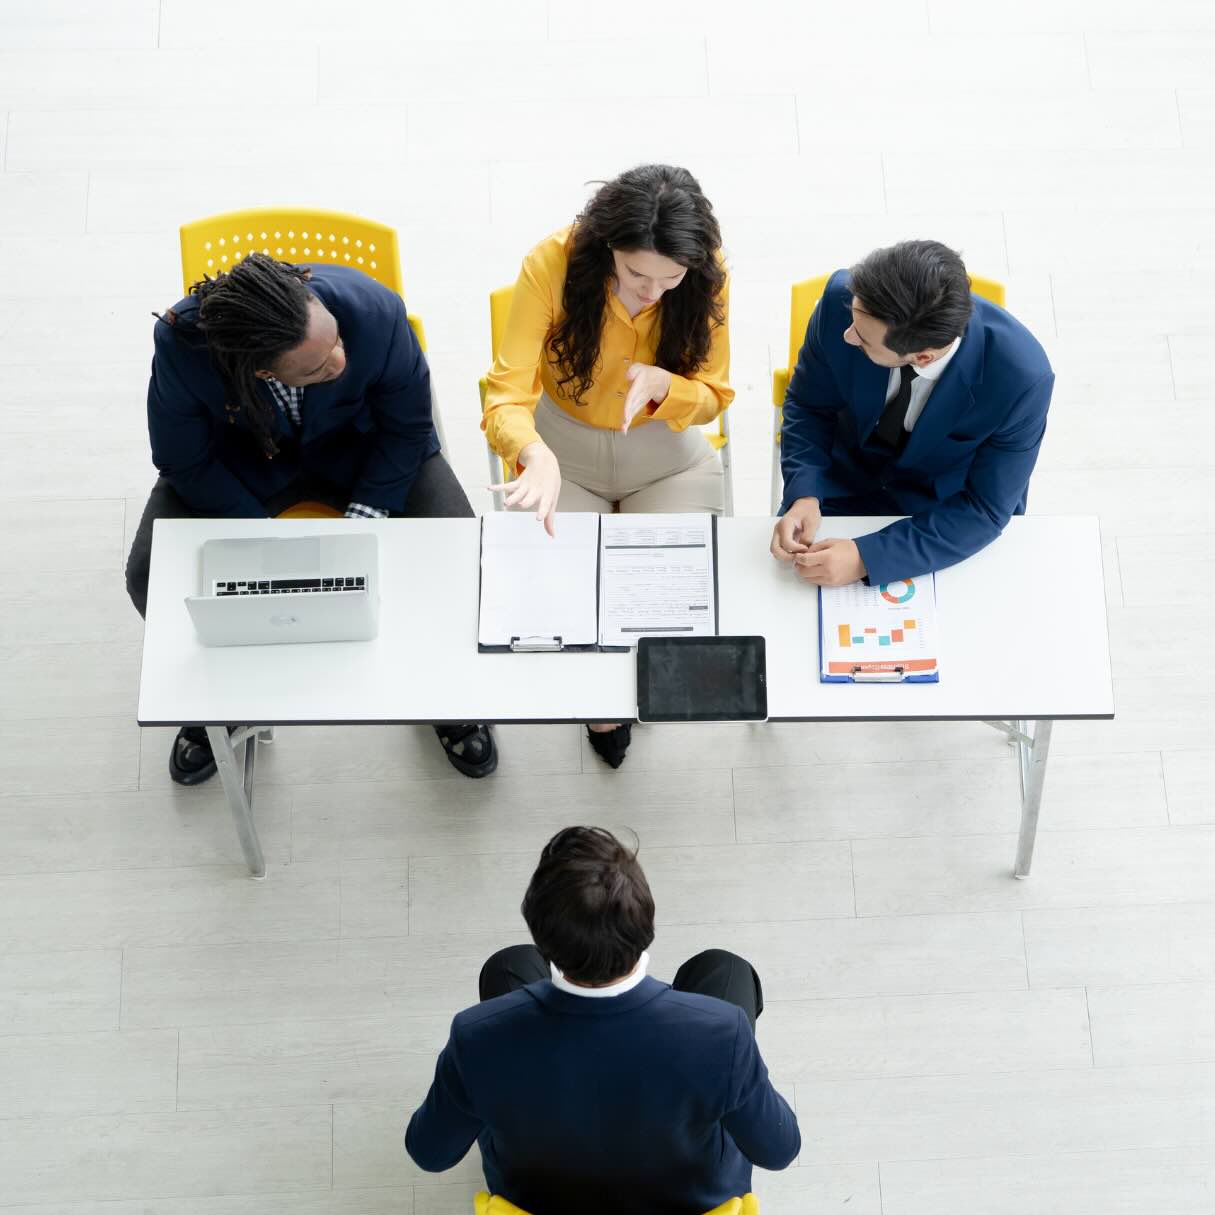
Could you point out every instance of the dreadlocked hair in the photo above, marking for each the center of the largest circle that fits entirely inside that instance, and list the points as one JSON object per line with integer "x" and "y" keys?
{"x": 659, "y": 209}
{"x": 250, "y": 316}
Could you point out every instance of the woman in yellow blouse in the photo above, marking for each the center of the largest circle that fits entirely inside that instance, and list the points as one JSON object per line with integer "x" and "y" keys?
{"x": 616, "y": 351}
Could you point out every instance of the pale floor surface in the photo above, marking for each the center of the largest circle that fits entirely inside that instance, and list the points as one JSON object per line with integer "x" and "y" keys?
{"x": 178, "y": 1040}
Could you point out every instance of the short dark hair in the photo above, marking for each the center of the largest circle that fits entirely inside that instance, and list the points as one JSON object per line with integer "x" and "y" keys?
{"x": 588, "y": 906}
{"x": 920, "y": 289}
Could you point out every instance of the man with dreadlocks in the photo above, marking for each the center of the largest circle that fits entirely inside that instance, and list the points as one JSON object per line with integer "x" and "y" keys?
{"x": 274, "y": 384}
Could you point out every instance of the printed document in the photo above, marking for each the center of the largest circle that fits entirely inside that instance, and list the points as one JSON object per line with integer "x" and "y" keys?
{"x": 885, "y": 632}
{"x": 656, "y": 578}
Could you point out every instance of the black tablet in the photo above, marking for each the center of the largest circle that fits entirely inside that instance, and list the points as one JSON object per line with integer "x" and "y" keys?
{"x": 701, "y": 679}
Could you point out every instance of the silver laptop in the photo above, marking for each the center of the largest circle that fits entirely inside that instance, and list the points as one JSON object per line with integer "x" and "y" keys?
{"x": 274, "y": 590}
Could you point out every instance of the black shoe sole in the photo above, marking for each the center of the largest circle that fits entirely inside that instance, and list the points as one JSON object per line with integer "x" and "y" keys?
{"x": 608, "y": 746}
{"x": 189, "y": 776}
{"x": 474, "y": 771}
{"x": 197, "y": 776}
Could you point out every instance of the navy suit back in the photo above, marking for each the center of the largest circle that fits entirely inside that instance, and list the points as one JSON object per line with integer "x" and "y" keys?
{"x": 653, "y": 1100}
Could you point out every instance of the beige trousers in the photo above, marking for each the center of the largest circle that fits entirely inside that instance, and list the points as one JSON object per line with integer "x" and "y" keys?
{"x": 650, "y": 470}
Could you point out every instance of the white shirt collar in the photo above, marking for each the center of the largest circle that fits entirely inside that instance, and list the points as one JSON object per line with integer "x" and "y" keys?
{"x": 612, "y": 989}
{"x": 936, "y": 368}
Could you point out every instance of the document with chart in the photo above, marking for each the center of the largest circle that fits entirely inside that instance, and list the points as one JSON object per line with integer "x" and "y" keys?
{"x": 879, "y": 634}
{"x": 602, "y": 582}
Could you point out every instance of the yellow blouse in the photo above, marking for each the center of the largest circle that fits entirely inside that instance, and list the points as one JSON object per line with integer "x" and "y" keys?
{"x": 522, "y": 366}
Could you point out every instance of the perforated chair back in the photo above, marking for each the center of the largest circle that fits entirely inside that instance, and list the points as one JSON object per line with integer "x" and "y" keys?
{"x": 804, "y": 297}
{"x": 717, "y": 436}
{"x": 294, "y": 234}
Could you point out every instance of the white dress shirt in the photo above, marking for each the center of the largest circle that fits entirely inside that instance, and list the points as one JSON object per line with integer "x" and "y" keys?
{"x": 922, "y": 385}
{"x": 612, "y": 989}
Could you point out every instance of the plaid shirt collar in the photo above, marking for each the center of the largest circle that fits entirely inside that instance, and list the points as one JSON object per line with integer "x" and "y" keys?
{"x": 291, "y": 401}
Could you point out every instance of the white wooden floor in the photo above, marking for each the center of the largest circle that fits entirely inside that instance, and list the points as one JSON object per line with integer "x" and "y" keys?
{"x": 178, "y": 1040}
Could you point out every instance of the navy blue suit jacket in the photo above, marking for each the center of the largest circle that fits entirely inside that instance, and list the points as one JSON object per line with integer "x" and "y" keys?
{"x": 966, "y": 465}
{"x": 368, "y": 431}
{"x": 654, "y": 1101}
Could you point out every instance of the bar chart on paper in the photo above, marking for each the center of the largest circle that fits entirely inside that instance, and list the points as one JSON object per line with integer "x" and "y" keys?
{"x": 890, "y": 632}
{"x": 886, "y": 630}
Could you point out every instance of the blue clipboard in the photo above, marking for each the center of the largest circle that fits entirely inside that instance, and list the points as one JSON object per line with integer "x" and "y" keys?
{"x": 890, "y": 672}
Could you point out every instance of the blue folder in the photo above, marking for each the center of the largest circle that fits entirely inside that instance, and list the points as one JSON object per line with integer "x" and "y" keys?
{"x": 895, "y": 675}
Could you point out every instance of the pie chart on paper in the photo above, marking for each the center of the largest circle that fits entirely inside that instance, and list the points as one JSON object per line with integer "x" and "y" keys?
{"x": 899, "y": 592}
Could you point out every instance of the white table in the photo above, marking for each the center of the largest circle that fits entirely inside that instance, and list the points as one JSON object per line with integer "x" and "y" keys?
{"x": 1022, "y": 627}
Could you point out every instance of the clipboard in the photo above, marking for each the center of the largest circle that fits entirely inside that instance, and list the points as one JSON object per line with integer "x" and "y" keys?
{"x": 882, "y": 634}
{"x": 552, "y": 599}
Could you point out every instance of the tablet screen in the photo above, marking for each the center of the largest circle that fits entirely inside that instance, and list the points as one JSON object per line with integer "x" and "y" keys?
{"x": 701, "y": 679}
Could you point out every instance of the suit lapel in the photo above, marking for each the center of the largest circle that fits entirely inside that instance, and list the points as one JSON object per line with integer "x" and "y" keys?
{"x": 316, "y": 404}
{"x": 280, "y": 427}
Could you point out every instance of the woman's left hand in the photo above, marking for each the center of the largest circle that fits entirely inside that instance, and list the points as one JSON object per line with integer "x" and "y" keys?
{"x": 648, "y": 384}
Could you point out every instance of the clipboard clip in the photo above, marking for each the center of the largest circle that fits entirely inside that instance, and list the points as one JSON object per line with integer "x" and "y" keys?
{"x": 860, "y": 675}
{"x": 535, "y": 645}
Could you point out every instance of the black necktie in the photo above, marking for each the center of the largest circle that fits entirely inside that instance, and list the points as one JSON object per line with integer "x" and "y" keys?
{"x": 889, "y": 428}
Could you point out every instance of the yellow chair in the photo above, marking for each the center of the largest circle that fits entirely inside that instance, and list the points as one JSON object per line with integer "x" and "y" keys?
{"x": 299, "y": 234}
{"x": 748, "y": 1204}
{"x": 310, "y": 510}
{"x": 499, "y": 311}
{"x": 804, "y": 297}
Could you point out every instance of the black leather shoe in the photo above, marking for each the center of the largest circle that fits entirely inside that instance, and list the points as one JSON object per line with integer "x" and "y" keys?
{"x": 191, "y": 761}
{"x": 611, "y": 745}
{"x": 470, "y": 748}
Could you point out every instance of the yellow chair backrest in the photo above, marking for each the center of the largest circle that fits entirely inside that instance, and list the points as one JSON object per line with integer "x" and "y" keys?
{"x": 499, "y": 313}
{"x": 294, "y": 234}
{"x": 806, "y": 295}
{"x": 748, "y": 1204}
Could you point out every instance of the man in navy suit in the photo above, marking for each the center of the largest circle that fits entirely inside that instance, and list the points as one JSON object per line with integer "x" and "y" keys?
{"x": 591, "y": 1087}
{"x": 910, "y": 397}
{"x": 272, "y": 384}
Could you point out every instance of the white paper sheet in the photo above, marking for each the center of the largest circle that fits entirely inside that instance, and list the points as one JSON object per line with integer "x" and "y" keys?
{"x": 656, "y": 578}
{"x": 872, "y": 630}
{"x": 537, "y": 587}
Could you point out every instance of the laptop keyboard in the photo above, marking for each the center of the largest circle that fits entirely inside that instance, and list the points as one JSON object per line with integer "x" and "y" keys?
{"x": 288, "y": 586}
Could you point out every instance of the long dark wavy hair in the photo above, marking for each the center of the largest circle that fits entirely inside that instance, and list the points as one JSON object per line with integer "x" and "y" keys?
{"x": 250, "y": 316}
{"x": 655, "y": 208}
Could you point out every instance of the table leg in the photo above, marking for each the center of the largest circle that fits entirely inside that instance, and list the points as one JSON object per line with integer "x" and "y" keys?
{"x": 1032, "y": 752}
{"x": 1013, "y": 729}
{"x": 1031, "y": 758}
{"x": 239, "y": 788}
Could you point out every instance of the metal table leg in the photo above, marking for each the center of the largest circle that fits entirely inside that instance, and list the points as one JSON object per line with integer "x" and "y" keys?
{"x": 239, "y": 787}
{"x": 1032, "y": 752}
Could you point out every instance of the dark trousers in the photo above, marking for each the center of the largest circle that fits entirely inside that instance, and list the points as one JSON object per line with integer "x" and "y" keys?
{"x": 435, "y": 494}
{"x": 715, "y": 972}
